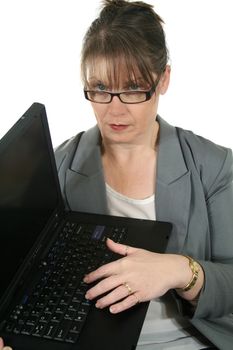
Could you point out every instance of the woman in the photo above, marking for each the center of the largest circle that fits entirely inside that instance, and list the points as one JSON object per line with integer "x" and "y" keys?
{"x": 137, "y": 165}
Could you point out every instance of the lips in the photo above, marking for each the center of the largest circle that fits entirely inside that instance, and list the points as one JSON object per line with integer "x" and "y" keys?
{"x": 118, "y": 127}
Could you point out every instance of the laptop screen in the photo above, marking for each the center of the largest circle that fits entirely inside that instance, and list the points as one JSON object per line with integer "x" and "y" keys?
{"x": 28, "y": 196}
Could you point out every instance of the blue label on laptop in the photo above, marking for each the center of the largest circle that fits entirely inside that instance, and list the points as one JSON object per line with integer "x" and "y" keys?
{"x": 98, "y": 232}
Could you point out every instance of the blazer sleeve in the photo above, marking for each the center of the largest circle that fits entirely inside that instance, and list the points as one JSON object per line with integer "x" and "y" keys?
{"x": 216, "y": 296}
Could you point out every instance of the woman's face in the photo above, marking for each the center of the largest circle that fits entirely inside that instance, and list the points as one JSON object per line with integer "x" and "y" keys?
{"x": 122, "y": 123}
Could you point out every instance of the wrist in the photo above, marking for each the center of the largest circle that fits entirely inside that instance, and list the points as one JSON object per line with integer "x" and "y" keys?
{"x": 195, "y": 269}
{"x": 192, "y": 284}
{"x": 181, "y": 273}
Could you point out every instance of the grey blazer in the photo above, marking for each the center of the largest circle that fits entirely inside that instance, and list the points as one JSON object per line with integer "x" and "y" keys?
{"x": 194, "y": 191}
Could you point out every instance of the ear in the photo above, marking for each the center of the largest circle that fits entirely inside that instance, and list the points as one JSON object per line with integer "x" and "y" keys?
{"x": 164, "y": 80}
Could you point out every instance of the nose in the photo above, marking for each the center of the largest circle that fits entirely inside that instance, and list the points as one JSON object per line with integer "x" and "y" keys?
{"x": 116, "y": 99}
{"x": 116, "y": 107}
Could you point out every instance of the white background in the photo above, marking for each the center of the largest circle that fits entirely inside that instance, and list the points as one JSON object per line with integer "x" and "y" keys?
{"x": 40, "y": 44}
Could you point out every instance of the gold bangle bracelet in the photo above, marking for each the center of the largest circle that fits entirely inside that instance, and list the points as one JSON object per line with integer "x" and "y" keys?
{"x": 195, "y": 270}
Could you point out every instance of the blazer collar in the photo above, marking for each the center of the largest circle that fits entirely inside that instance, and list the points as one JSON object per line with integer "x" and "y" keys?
{"x": 170, "y": 164}
{"x": 173, "y": 188}
{"x": 85, "y": 184}
{"x": 87, "y": 161}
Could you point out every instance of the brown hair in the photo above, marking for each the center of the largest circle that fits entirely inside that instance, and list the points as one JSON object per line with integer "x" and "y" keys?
{"x": 126, "y": 34}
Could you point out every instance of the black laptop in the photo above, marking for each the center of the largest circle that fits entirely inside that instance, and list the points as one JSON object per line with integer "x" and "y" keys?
{"x": 46, "y": 251}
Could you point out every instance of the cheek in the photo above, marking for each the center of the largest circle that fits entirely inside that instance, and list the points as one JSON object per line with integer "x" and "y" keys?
{"x": 99, "y": 111}
{"x": 145, "y": 114}
{"x": 151, "y": 110}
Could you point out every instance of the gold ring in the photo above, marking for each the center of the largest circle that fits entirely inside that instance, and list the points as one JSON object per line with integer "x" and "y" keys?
{"x": 126, "y": 250}
{"x": 137, "y": 299}
{"x": 128, "y": 287}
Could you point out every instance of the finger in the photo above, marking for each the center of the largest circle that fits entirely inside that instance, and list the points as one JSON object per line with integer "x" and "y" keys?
{"x": 114, "y": 296}
{"x": 119, "y": 248}
{"x": 103, "y": 287}
{"x": 110, "y": 268}
{"x": 2, "y": 347}
{"x": 103, "y": 271}
{"x": 125, "y": 304}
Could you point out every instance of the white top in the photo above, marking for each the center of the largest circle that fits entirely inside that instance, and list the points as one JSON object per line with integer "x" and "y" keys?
{"x": 163, "y": 327}
{"x": 120, "y": 205}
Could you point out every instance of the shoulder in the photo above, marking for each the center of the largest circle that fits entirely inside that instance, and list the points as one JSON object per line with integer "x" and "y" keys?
{"x": 65, "y": 149}
{"x": 213, "y": 162}
{"x": 203, "y": 150}
{"x": 81, "y": 143}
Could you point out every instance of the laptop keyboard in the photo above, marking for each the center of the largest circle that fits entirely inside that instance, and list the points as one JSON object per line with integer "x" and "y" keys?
{"x": 56, "y": 308}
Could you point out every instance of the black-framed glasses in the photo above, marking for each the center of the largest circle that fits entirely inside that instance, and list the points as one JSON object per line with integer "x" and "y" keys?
{"x": 130, "y": 97}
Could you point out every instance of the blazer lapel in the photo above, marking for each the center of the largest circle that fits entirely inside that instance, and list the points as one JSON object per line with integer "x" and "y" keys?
{"x": 173, "y": 187}
{"x": 85, "y": 185}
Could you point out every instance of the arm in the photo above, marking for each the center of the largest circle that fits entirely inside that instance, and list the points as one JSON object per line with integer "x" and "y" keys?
{"x": 216, "y": 296}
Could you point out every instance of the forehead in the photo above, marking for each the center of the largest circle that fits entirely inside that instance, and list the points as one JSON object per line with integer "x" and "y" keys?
{"x": 112, "y": 73}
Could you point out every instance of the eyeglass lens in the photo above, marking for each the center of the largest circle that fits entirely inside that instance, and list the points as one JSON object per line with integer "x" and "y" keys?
{"x": 105, "y": 97}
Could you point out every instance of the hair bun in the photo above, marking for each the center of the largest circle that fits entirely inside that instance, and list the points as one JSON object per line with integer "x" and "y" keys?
{"x": 126, "y": 3}
{"x": 117, "y": 3}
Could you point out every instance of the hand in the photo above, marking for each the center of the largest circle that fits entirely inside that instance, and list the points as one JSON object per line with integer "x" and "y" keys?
{"x": 2, "y": 347}
{"x": 139, "y": 276}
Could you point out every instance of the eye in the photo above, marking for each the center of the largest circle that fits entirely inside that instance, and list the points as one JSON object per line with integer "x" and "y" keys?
{"x": 133, "y": 86}
{"x": 101, "y": 87}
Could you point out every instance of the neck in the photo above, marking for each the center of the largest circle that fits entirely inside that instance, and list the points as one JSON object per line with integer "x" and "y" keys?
{"x": 125, "y": 152}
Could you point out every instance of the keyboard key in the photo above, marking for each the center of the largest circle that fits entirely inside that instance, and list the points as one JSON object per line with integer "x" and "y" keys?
{"x": 84, "y": 308}
{"x": 51, "y": 330}
{"x": 27, "y": 329}
{"x": 17, "y": 329}
{"x": 45, "y": 318}
{"x": 61, "y": 309}
{"x": 70, "y": 314}
{"x": 49, "y": 309}
{"x": 80, "y": 317}
{"x": 65, "y": 300}
{"x": 57, "y": 317}
{"x": 74, "y": 305}
{"x": 9, "y": 327}
{"x": 39, "y": 329}
{"x": 72, "y": 337}
{"x": 76, "y": 327}
{"x": 62, "y": 330}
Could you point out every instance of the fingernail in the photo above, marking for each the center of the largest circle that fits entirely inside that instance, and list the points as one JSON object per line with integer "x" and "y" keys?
{"x": 112, "y": 309}
{"x": 7, "y": 348}
{"x": 97, "y": 305}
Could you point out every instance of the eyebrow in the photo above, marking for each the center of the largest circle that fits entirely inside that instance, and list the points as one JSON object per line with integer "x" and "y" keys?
{"x": 138, "y": 80}
{"x": 94, "y": 81}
